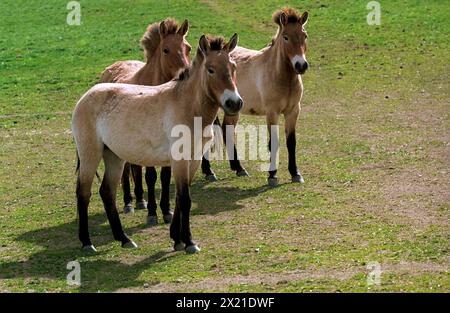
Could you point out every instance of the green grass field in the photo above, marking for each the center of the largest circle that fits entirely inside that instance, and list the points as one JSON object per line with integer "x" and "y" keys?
{"x": 373, "y": 146}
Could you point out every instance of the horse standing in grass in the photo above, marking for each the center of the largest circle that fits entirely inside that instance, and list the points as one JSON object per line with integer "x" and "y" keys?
{"x": 270, "y": 83}
{"x": 101, "y": 129}
{"x": 167, "y": 52}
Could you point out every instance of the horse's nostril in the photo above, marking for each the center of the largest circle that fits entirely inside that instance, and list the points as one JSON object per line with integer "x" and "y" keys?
{"x": 240, "y": 104}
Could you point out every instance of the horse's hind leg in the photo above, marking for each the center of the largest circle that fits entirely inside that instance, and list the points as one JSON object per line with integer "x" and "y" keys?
{"x": 164, "y": 203}
{"x": 150, "y": 179}
{"x": 127, "y": 198}
{"x": 108, "y": 189}
{"x": 88, "y": 167}
{"x": 235, "y": 163}
{"x": 141, "y": 204}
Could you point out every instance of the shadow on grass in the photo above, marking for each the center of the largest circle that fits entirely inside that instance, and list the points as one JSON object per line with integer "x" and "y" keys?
{"x": 59, "y": 245}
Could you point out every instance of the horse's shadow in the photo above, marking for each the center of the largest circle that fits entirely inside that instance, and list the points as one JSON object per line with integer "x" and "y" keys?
{"x": 58, "y": 245}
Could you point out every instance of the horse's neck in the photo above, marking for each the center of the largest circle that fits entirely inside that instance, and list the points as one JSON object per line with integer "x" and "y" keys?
{"x": 275, "y": 64}
{"x": 201, "y": 104}
{"x": 150, "y": 74}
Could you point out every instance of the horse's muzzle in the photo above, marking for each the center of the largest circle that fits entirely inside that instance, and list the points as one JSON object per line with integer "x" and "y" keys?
{"x": 301, "y": 67}
{"x": 233, "y": 106}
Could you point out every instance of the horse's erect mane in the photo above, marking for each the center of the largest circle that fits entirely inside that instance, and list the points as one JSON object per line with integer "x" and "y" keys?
{"x": 152, "y": 38}
{"x": 216, "y": 43}
{"x": 292, "y": 15}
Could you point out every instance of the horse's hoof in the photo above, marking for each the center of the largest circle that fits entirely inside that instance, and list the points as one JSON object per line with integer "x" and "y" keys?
{"x": 141, "y": 205}
{"x": 178, "y": 246}
{"x": 168, "y": 218}
{"x": 127, "y": 209}
{"x": 242, "y": 173}
{"x": 211, "y": 178}
{"x": 129, "y": 245}
{"x": 89, "y": 248}
{"x": 192, "y": 249}
{"x": 152, "y": 220}
{"x": 272, "y": 181}
{"x": 298, "y": 179}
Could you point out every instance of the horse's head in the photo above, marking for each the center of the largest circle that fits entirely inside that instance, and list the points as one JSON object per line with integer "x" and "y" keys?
{"x": 174, "y": 49}
{"x": 292, "y": 37}
{"x": 219, "y": 72}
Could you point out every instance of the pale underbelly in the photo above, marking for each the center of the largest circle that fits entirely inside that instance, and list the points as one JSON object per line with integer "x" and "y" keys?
{"x": 143, "y": 155}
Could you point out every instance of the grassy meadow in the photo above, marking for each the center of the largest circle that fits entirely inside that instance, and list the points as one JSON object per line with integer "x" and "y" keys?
{"x": 373, "y": 147}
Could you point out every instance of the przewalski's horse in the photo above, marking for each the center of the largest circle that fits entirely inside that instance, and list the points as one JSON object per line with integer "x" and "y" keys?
{"x": 270, "y": 85}
{"x": 101, "y": 129}
{"x": 167, "y": 52}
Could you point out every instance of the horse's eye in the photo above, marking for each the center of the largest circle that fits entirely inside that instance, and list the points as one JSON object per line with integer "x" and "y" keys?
{"x": 211, "y": 71}
{"x": 285, "y": 38}
{"x": 166, "y": 51}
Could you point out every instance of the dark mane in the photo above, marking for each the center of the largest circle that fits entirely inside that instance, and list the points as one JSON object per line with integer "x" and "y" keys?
{"x": 216, "y": 43}
{"x": 151, "y": 38}
{"x": 291, "y": 14}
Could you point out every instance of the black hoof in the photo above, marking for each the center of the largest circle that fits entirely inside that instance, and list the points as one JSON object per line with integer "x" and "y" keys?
{"x": 89, "y": 248}
{"x": 128, "y": 208}
{"x": 272, "y": 181}
{"x": 192, "y": 249}
{"x": 141, "y": 205}
{"x": 179, "y": 246}
{"x": 298, "y": 179}
{"x": 242, "y": 173}
{"x": 152, "y": 220}
{"x": 168, "y": 218}
{"x": 129, "y": 245}
{"x": 211, "y": 178}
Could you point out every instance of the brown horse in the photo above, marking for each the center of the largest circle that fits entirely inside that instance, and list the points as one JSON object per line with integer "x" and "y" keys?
{"x": 101, "y": 129}
{"x": 167, "y": 52}
{"x": 270, "y": 83}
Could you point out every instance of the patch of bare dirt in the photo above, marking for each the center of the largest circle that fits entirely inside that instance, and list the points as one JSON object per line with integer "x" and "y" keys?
{"x": 272, "y": 279}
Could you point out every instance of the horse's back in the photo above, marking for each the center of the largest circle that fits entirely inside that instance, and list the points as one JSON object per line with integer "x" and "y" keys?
{"x": 121, "y": 71}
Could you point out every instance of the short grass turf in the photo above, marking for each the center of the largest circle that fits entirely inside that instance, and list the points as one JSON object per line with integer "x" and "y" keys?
{"x": 373, "y": 146}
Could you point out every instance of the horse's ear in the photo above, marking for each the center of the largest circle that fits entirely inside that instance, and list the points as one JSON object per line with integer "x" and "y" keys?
{"x": 304, "y": 18}
{"x": 232, "y": 43}
{"x": 203, "y": 45}
{"x": 163, "y": 29}
{"x": 283, "y": 19}
{"x": 184, "y": 28}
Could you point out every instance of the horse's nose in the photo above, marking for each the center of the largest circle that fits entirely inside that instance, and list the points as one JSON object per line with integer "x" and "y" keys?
{"x": 234, "y": 105}
{"x": 301, "y": 67}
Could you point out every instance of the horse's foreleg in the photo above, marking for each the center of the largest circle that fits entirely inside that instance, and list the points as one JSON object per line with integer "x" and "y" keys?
{"x": 127, "y": 198}
{"x": 180, "y": 230}
{"x": 272, "y": 124}
{"x": 138, "y": 187}
{"x": 228, "y": 140}
{"x": 108, "y": 189}
{"x": 164, "y": 203}
{"x": 150, "y": 179}
{"x": 290, "y": 124}
{"x": 206, "y": 165}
